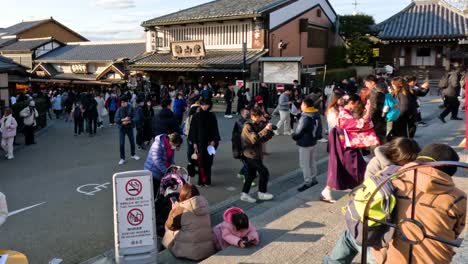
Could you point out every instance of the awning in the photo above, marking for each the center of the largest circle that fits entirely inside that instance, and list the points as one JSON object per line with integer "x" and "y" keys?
{"x": 214, "y": 61}
{"x": 188, "y": 69}
{"x": 50, "y": 81}
{"x": 71, "y": 81}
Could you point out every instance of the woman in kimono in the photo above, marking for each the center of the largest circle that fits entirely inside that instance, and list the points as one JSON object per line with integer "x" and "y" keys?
{"x": 354, "y": 130}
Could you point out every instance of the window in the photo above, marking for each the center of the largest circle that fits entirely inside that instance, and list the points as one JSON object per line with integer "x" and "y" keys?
{"x": 319, "y": 12}
{"x": 159, "y": 42}
{"x": 423, "y": 52}
{"x": 317, "y": 38}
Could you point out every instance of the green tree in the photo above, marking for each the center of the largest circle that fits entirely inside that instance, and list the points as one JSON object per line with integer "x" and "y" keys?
{"x": 360, "y": 24}
{"x": 355, "y": 30}
{"x": 359, "y": 50}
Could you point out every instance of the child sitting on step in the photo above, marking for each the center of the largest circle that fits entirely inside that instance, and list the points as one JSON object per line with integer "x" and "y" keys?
{"x": 236, "y": 230}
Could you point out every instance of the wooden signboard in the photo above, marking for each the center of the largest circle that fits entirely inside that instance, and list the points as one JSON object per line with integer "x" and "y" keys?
{"x": 188, "y": 49}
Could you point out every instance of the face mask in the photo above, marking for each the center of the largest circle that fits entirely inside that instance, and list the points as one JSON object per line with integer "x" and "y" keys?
{"x": 148, "y": 104}
{"x": 173, "y": 147}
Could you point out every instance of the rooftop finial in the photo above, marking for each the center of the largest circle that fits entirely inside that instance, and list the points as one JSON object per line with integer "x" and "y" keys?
{"x": 355, "y": 4}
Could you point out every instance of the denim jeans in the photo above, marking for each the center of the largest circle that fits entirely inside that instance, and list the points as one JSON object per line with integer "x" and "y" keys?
{"x": 131, "y": 138}
{"x": 345, "y": 250}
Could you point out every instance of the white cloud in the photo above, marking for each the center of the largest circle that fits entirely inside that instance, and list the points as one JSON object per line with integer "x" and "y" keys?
{"x": 115, "y": 4}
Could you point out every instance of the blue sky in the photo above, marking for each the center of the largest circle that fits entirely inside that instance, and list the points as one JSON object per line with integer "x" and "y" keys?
{"x": 120, "y": 19}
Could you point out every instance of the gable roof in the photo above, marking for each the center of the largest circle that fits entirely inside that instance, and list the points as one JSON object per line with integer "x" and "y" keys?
{"x": 430, "y": 19}
{"x": 21, "y": 27}
{"x": 26, "y": 44}
{"x": 217, "y": 9}
{"x": 94, "y": 52}
{"x": 27, "y": 25}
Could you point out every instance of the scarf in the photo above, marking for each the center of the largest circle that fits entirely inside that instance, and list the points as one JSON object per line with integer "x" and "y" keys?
{"x": 311, "y": 110}
{"x": 170, "y": 152}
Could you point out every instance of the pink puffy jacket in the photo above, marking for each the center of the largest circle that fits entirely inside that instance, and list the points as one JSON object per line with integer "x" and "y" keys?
{"x": 8, "y": 131}
{"x": 225, "y": 234}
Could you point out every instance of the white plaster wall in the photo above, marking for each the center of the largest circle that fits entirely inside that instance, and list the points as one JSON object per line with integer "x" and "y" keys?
{"x": 286, "y": 13}
{"x": 3, "y": 80}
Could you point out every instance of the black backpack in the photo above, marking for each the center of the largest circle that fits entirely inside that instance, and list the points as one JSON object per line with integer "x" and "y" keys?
{"x": 236, "y": 140}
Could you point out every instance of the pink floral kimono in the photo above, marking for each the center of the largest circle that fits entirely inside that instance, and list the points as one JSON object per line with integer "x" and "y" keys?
{"x": 358, "y": 133}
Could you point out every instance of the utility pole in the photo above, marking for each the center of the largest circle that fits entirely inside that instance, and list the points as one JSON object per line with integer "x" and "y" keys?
{"x": 244, "y": 62}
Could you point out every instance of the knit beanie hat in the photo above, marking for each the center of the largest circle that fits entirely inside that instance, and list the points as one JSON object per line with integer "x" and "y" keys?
{"x": 439, "y": 152}
{"x": 258, "y": 98}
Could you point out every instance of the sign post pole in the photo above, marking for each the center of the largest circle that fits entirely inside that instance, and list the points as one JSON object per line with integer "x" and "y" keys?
{"x": 134, "y": 218}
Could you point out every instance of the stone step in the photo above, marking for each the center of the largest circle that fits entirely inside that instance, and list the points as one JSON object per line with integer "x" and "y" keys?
{"x": 291, "y": 228}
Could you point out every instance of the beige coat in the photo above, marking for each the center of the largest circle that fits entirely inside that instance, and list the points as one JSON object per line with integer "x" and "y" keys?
{"x": 440, "y": 207}
{"x": 377, "y": 163}
{"x": 3, "y": 209}
{"x": 194, "y": 239}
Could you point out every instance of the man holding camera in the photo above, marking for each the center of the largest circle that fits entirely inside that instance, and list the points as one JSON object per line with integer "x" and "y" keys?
{"x": 255, "y": 133}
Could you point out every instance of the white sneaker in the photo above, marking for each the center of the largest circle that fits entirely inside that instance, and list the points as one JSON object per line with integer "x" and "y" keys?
{"x": 135, "y": 157}
{"x": 265, "y": 196}
{"x": 247, "y": 198}
{"x": 288, "y": 133}
{"x": 323, "y": 140}
{"x": 121, "y": 162}
{"x": 10, "y": 157}
{"x": 276, "y": 133}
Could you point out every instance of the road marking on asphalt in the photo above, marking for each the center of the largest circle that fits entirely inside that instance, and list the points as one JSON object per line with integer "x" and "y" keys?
{"x": 92, "y": 188}
{"x": 25, "y": 209}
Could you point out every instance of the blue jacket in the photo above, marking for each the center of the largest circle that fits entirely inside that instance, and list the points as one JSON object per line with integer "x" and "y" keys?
{"x": 123, "y": 112}
{"x": 158, "y": 159}
{"x": 309, "y": 129}
{"x": 178, "y": 107}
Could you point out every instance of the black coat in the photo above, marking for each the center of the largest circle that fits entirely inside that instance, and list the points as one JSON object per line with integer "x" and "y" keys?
{"x": 204, "y": 128}
{"x": 377, "y": 100}
{"x": 229, "y": 95}
{"x": 164, "y": 123}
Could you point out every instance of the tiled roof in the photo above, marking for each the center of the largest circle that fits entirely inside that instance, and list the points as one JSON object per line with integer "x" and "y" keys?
{"x": 431, "y": 19}
{"x": 7, "y": 64}
{"x": 4, "y": 42}
{"x": 216, "y": 9}
{"x": 281, "y": 59}
{"x": 214, "y": 59}
{"x": 88, "y": 51}
{"x": 26, "y": 44}
{"x": 20, "y": 27}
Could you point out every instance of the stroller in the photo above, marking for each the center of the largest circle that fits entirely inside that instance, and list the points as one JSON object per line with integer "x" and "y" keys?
{"x": 168, "y": 192}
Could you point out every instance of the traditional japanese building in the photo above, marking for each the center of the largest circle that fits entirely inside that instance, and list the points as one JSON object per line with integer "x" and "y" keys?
{"x": 424, "y": 37}
{"x": 25, "y": 51}
{"x": 40, "y": 29}
{"x": 27, "y": 40}
{"x": 10, "y": 73}
{"x": 87, "y": 63}
{"x": 205, "y": 42}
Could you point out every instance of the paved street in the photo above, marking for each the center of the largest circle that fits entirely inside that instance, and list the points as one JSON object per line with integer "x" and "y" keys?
{"x": 74, "y": 226}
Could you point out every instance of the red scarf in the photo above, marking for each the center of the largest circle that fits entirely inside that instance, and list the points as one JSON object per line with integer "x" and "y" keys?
{"x": 169, "y": 152}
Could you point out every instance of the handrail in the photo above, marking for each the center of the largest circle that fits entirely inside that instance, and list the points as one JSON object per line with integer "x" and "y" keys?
{"x": 400, "y": 173}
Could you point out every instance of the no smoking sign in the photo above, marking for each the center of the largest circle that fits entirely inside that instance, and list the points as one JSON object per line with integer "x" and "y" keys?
{"x": 135, "y": 217}
{"x": 133, "y": 187}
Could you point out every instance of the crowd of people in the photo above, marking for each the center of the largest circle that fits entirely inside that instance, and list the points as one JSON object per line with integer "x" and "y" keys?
{"x": 369, "y": 127}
